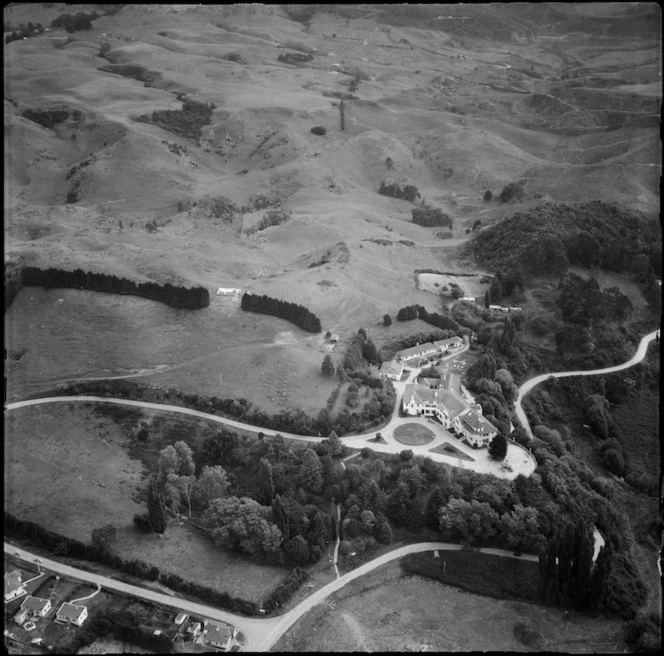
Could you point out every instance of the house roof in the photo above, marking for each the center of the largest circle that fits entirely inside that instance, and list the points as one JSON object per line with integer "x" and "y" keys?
{"x": 420, "y": 394}
{"x": 391, "y": 367}
{"x": 414, "y": 351}
{"x": 475, "y": 422}
{"x": 450, "y": 341}
{"x": 35, "y": 605}
{"x": 13, "y": 581}
{"x": 181, "y": 617}
{"x": 429, "y": 382}
{"x": 70, "y": 612}
{"x": 218, "y": 633}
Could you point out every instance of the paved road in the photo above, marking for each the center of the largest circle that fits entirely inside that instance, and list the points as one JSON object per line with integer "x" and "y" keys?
{"x": 533, "y": 382}
{"x": 479, "y": 463}
{"x": 263, "y": 633}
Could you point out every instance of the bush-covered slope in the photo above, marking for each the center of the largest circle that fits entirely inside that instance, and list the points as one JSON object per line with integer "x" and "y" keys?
{"x": 550, "y": 237}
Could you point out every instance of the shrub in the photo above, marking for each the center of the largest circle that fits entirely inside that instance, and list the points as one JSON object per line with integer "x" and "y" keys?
{"x": 488, "y": 196}
{"x": 294, "y": 58}
{"x": 430, "y": 217}
{"x": 512, "y": 191}
{"x": 233, "y": 57}
{"x": 319, "y": 130}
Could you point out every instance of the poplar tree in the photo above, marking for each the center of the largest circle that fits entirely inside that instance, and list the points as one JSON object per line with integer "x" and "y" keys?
{"x": 156, "y": 508}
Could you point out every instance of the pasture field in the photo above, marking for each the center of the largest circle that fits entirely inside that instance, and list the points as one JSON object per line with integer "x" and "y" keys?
{"x": 67, "y": 469}
{"x": 387, "y": 612}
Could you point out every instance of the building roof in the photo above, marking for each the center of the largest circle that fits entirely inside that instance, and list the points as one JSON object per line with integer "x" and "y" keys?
{"x": 13, "y": 581}
{"x": 391, "y": 367}
{"x": 475, "y": 422}
{"x": 444, "y": 343}
{"x": 35, "y": 605}
{"x": 70, "y": 612}
{"x": 218, "y": 633}
{"x": 181, "y": 617}
{"x": 453, "y": 404}
{"x": 429, "y": 382}
{"x": 414, "y": 351}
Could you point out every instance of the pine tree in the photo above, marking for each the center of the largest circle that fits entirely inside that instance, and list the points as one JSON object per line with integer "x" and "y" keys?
{"x": 434, "y": 503}
{"x": 328, "y": 366}
{"x": 265, "y": 481}
{"x": 310, "y": 471}
{"x": 156, "y": 508}
{"x": 599, "y": 578}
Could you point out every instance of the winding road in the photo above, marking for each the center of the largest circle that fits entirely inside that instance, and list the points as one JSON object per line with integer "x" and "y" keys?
{"x": 261, "y": 634}
{"x": 533, "y": 382}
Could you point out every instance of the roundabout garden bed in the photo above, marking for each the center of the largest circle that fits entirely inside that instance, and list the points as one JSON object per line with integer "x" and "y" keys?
{"x": 413, "y": 434}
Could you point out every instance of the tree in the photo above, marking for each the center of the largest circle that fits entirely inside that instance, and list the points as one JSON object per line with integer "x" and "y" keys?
{"x": 387, "y": 320}
{"x": 186, "y": 485}
{"x": 242, "y": 524}
{"x": 488, "y": 195}
{"x": 520, "y": 528}
{"x": 265, "y": 482}
{"x": 487, "y": 298}
{"x": 384, "y": 532}
{"x": 598, "y": 413}
{"x": 498, "y": 447}
{"x": 367, "y": 521}
{"x": 104, "y": 537}
{"x": 434, "y": 503}
{"x": 296, "y": 550}
{"x": 311, "y": 471}
{"x": 468, "y": 520}
{"x": 156, "y": 508}
{"x": 280, "y": 516}
{"x": 212, "y": 484}
{"x": 328, "y": 366}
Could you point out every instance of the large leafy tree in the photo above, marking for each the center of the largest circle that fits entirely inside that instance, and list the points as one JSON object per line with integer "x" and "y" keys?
{"x": 310, "y": 471}
{"x": 242, "y": 524}
{"x": 468, "y": 520}
{"x": 212, "y": 484}
{"x": 498, "y": 447}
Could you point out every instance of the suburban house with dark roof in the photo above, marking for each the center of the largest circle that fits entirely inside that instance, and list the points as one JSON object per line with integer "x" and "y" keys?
{"x": 14, "y": 586}
{"x": 219, "y": 635}
{"x": 71, "y": 614}
{"x": 391, "y": 369}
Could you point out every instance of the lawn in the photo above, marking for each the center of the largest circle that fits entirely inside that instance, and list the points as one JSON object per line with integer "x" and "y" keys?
{"x": 413, "y": 434}
{"x": 448, "y": 449}
{"x": 67, "y": 469}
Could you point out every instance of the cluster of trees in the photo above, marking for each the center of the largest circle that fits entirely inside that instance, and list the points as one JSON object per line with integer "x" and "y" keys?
{"x": 504, "y": 284}
{"x": 583, "y": 302}
{"x": 430, "y": 217}
{"x": 23, "y": 31}
{"x": 180, "y": 297}
{"x": 271, "y": 218}
{"x": 75, "y": 22}
{"x": 566, "y": 566}
{"x": 186, "y": 122}
{"x": 410, "y": 312}
{"x": 297, "y": 314}
{"x": 552, "y": 236}
{"x": 361, "y": 348}
{"x": 49, "y": 118}
{"x": 393, "y": 190}
{"x": 511, "y": 191}
{"x": 294, "y": 58}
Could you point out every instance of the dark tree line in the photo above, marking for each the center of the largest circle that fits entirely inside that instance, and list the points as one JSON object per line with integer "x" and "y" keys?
{"x": 23, "y": 32}
{"x": 430, "y": 217}
{"x": 410, "y": 312}
{"x": 180, "y": 297}
{"x": 409, "y": 192}
{"x": 75, "y": 22}
{"x": 297, "y": 314}
{"x": 566, "y": 566}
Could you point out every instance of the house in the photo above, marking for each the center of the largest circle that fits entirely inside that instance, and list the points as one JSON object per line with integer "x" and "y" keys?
{"x": 474, "y": 428}
{"x": 36, "y": 607}
{"x": 219, "y": 635}
{"x": 195, "y": 629}
{"x": 391, "y": 369}
{"x": 180, "y": 618}
{"x": 334, "y": 338}
{"x": 450, "y": 344}
{"x": 70, "y": 614}
{"x": 498, "y": 308}
{"x": 468, "y": 299}
{"x": 431, "y": 383}
{"x": 14, "y": 586}
{"x": 418, "y": 351}
{"x": 21, "y": 616}
{"x": 228, "y": 291}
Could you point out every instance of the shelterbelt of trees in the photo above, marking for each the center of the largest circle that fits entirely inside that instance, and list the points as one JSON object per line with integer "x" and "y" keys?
{"x": 176, "y": 296}
{"x": 297, "y": 314}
